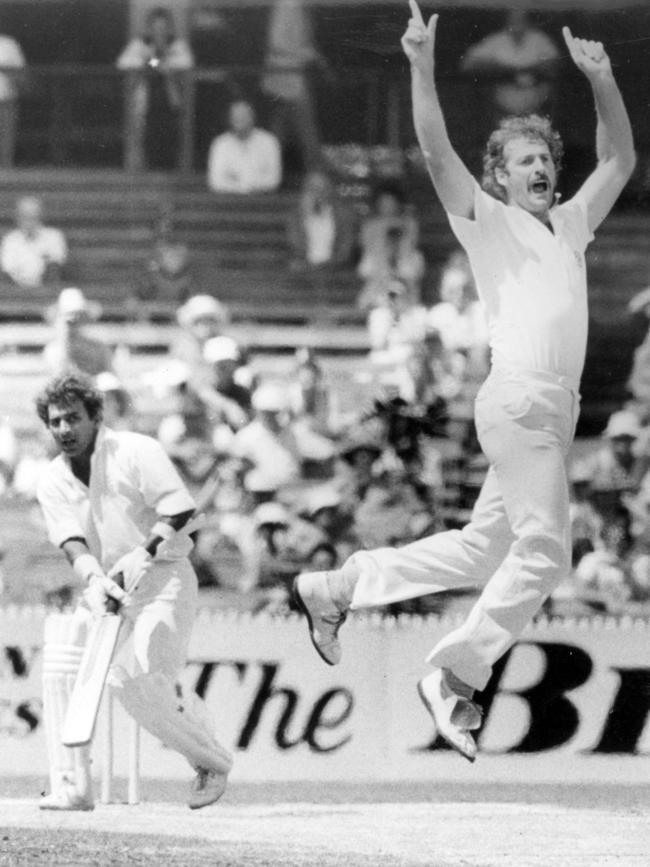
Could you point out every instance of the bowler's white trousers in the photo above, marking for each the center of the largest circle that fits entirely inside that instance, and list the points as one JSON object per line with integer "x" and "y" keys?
{"x": 517, "y": 543}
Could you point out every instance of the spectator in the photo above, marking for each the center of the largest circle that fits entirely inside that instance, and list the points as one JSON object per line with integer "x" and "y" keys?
{"x": 521, "y": 62}
{"x": 266, "y": 445}
{"x": 200, "y": 318}
{"x": 395, "y": 324}
{"x": 291, "y": 59}
{"x": 118, "y": 406}
{"x": 226, "y": 401}
{"x": 245, "y": 159}
{"x": 616, "y": 469}
{"x": 459, "y": 319}
{"x": 32, "y": 254}
{"x": 72, "y": 350}
{"x": 168, "y": 274}
{"x": 309, "y": 396}
{"x": 321, "y": 229}
{"x": 156, "y": 61}
{"x": 12, "y": 61}
{"x": 185, "y": 431}
{"x": 389, "y": 238}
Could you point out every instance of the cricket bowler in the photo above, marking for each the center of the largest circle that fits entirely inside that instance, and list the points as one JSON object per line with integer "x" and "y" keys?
{"x": 115, "y": 505}
{"x": 527, "y": 253}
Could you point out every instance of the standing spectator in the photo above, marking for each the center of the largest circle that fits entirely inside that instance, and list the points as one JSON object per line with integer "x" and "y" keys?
{"x": 321, "y": 228}
{"x": 389, "y": 239}
{"x": 71, "y": 350}
{"x": 395, "y": 324}
{"x": 520, "y": 61}
{"x": 226, "y": 400}
{"x": 32, "y": 254}
{"x": 245, "y": 159}
{"x": 616, "y": 469}
{"x": 200, "y": 318}
{"x": 291, "y": 59}
{"x": 157, "y": 61}
{"x": 12, "y": 61}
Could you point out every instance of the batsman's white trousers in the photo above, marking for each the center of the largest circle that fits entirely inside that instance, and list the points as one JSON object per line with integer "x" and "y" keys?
{"x": 517, "y": 543}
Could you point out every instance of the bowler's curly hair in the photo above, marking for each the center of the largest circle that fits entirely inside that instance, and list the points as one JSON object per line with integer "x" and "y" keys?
{"x": 531, "y": 127}
{"x": 65, "y": 390}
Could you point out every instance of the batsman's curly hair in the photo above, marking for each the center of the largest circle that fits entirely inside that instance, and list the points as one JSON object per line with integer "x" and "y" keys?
{"x": 531, "y": 127}
{"x": 65, "y": 390}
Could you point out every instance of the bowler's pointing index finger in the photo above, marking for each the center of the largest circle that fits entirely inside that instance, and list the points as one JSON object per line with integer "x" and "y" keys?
{"x": 415, "y": 12}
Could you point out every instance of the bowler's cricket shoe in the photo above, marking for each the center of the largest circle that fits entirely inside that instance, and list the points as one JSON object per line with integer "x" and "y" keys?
{"x": 324, "y": 615}
{"x": 207, "y": 788}
{"x": 454, "y": 715}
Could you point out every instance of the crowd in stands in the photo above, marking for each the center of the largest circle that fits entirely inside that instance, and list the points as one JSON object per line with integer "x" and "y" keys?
{"x": 303, "y": 482}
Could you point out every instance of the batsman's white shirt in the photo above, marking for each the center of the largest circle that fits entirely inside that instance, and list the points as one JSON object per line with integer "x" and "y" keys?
{"x": 132, "y": 483}
{"x": 532, "y": 282}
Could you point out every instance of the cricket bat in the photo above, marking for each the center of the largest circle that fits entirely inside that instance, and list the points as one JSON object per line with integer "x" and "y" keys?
{"x": 83, "y": 708}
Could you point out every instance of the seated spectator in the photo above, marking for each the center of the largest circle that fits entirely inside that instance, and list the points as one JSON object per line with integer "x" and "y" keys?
{"x": 200, "y": 318}
{"x": 245, "y": 159}
{"x": 266, "y": 445}
{"x": 321, "y": 229}
{"x": 226, "y": 401}
{"x": 586, "y": 522}
{"x": 185, "y": 431}
{"x": 389, "y": 239}
{"x": 395, "y": 324}
{"x": 309, "y": 396}
{"x": 72, "y": 350}
{"x": 156, "y": 60}
{"x": 118, "y": 407}
{"x": 459, "y": 319}
{"x": 32, "y": 254}
{"x": 602, "y": 575}
{"x": 522, "y": 63}
{"x": 167, "y": 275}
{"x": 616, "y": 469}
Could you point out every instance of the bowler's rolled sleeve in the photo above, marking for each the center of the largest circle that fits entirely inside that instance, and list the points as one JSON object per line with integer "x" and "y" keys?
{"x": 161, "y": 486}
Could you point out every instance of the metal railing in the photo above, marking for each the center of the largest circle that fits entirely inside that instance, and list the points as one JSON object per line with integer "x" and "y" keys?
{"x": 82, "y": 115}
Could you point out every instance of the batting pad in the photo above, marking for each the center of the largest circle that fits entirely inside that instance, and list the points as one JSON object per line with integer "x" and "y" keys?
{"x": 151, "y": 699}
{"x": 63, "y": 648}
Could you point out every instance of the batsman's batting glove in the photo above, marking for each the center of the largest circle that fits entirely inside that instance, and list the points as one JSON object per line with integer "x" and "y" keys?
{"x": 100, "y": 590}
{"x": 133, "y": 567}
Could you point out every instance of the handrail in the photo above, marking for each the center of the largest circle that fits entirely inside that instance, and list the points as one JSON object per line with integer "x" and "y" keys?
{"x": 69, "y": 112}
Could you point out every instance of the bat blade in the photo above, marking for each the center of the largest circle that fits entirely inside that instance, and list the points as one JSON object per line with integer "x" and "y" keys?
{"x": 83, "y": 708}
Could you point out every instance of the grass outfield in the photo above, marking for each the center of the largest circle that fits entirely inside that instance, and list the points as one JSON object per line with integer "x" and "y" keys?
{"x": 287, "y": 825}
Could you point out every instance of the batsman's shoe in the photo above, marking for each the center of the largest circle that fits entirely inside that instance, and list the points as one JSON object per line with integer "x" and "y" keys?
{"x": 454, "y": 715}
{"x": 324, "y": 615}
{"x": 207, "y": 788}
{"x": 66, "y": 799}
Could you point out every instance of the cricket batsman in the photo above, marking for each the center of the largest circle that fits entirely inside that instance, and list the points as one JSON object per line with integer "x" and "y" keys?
{"x": 115, "y": 505}
{"x": 527, "y": 253}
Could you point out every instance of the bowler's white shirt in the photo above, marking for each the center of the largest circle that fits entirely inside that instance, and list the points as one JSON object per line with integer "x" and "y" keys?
{"x": 132, "y": 484}
{"x": 531, "y": 281}
{"x": 248, "y": 165}
{"x": 25, "y": 259}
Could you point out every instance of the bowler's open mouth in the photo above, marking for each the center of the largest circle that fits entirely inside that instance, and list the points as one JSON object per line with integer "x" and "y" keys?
{"x": 540, "y": 186}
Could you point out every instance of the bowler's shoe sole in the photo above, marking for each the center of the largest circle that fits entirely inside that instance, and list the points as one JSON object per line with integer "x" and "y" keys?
{"x": 427, "y": 704}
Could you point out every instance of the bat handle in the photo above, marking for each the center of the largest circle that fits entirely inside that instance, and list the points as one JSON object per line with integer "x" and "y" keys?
{"x": 113, "y": 605}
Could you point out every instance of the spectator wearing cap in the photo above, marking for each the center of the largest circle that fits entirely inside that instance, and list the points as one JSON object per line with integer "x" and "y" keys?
{"x": 32, "y": 255}
{"x": 118, "y": 406}
{"x": 395, "y": 324}
{"x": 359, "y": 450}
{"x": 266, "y": 446}
{"x": 200, "y": 318}
{"x": 226, "y": 400}
{"x": 617, "y": 467}
{"x": 325, "y": 509}
{"x": 72, "y": 350}
{"x": 185, "y": 431}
